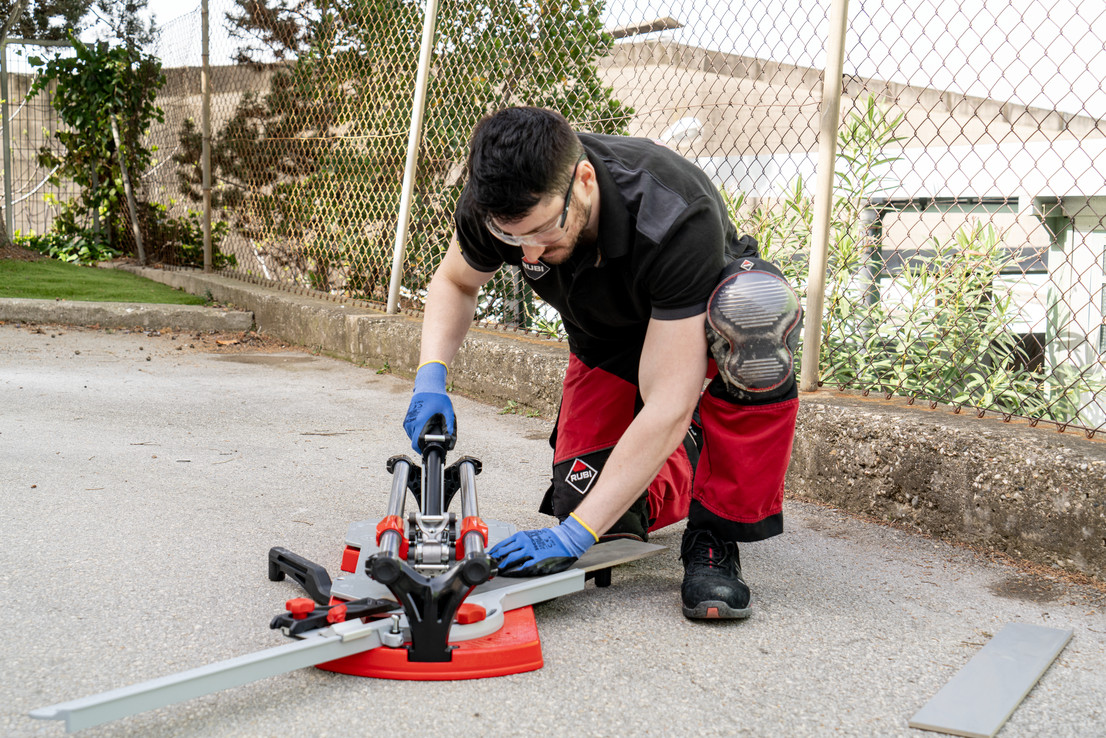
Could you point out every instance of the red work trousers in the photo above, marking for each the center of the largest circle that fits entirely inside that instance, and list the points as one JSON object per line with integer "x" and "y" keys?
{"x": 728, "y": 475}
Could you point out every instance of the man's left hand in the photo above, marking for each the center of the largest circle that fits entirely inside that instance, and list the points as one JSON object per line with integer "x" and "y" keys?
{"x": 535, "y": 553}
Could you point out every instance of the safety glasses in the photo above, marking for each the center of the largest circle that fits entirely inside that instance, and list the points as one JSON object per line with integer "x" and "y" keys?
{"x": 543, "y": 236}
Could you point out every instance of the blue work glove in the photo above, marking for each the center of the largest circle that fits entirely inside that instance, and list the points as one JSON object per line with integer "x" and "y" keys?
{"x": 535, "y": 553}
{"x": 429, "y": 400}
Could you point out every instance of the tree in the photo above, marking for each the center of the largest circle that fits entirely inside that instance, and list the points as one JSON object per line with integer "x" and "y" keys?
{"x": 46, "y": 19}
{"x": 276, "y": 30}
{"x": 122, "y": 22}
{"x": 313, "y": 168}
{"x": 98, "y": 86}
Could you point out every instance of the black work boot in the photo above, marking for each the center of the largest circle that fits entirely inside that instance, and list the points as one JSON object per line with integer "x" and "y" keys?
{"x": 713, "y": 587}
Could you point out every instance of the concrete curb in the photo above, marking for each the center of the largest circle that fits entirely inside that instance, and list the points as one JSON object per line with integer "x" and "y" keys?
{"x": 491, "y": 366}
{"x": 125, "y": 315}
{"x": 1029, "y": 492}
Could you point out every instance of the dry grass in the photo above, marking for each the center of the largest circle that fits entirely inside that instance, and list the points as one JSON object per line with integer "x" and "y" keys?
{"x": 18, "y": 253}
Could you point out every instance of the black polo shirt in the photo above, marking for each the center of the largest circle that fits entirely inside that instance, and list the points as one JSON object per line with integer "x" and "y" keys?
{"x": 662, "y": 243}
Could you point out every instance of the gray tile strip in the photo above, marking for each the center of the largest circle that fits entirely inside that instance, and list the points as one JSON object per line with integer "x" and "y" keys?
{"x": 984, "y": 694}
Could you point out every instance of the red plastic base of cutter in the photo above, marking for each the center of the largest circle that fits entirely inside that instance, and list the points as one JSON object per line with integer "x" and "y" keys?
{"x": 512, "y": 649}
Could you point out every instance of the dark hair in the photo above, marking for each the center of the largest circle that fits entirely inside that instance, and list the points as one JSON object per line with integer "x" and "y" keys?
{"x": 518, "y": 156}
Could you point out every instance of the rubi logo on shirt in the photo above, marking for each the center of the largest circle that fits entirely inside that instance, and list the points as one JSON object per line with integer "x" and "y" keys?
{"x": 581, "y": 476}
{"x": 534, "y": 269}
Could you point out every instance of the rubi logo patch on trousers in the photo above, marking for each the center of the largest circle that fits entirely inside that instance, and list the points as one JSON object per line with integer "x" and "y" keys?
{"x": 581, "y": 476}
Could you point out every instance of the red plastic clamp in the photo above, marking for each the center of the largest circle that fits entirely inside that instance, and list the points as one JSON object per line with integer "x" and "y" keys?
{"x": 468, "y": 525}
{"x": 300, "y": 607}
{"x": 393, "y": 522}
{"x": 349, "y": 559}
{"x": 470, "y": 612}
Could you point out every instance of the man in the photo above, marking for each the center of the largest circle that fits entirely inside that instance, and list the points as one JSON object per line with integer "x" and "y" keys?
{"x": 632, "y": 244}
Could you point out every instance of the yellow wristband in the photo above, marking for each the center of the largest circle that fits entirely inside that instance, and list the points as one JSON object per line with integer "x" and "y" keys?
{"x": 432, "y": 361}
{"x": 576, "y": 517}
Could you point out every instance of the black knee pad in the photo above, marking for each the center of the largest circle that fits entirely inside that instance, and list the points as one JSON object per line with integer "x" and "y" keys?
{"x": 753, "y": 323}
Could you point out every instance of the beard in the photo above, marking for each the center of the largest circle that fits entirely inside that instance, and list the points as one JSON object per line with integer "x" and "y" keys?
{"x": 559, "y": 254}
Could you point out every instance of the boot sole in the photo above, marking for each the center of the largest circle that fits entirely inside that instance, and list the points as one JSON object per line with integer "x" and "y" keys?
{"x": 715, "y": 610}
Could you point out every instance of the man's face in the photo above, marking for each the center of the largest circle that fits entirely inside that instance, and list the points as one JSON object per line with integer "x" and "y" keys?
{"x": 552, "y": 229}
{"x": 553, "y": 246}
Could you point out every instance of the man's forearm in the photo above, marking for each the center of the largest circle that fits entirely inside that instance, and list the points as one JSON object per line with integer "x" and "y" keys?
{"x": 671, "y": 373}
{"x": 449, "y": 311}
{"x": 633, "y": 464}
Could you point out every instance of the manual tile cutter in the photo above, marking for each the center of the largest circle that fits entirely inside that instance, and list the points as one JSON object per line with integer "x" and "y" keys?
{"x": 418, "y": 600}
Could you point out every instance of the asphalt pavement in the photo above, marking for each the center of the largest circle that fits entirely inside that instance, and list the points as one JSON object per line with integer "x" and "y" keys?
{"x": 144, "y": 482}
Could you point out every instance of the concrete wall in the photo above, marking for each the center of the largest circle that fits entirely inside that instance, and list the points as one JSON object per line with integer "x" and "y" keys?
{"x": 1029, "y": 492}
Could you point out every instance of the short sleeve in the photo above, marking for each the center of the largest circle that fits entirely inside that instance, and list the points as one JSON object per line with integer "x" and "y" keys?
{"x": 476, "y": 243}
{"x": 684, "y": 269}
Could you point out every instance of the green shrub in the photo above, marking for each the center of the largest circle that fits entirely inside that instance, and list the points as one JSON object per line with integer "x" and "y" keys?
{"x": 76, "y": 248}
{"x": 181, "y": 240}
{"x": 950, "y": 337}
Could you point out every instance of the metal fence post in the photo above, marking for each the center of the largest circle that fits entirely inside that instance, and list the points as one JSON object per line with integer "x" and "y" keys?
{"x": 8, "y": 221}
{"x": 413, "y": 140}
{"x": 823, "y": 194}
{"x": 9, "y": 24}
{"x": 205, "y": 156}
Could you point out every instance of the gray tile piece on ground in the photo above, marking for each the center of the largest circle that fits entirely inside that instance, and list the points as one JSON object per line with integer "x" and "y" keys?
{"x": 145, "y": 496}
{"x": 125, "y": 315}
{"x": 982, "y": 696}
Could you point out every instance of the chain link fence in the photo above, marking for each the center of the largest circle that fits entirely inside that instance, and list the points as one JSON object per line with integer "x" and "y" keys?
{"x": 967, "y": 260}
{"x": 30, "y": 198}
{"x": 969, "y": 244}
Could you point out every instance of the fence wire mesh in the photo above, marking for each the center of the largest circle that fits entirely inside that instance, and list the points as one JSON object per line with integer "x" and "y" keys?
{"x": 968, "y": 253}
{"x": 31, "y": 123}
{"x": 967, "y": 246}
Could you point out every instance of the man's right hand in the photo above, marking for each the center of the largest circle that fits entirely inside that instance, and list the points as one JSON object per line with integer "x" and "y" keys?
{"x": 429, "y": 400}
